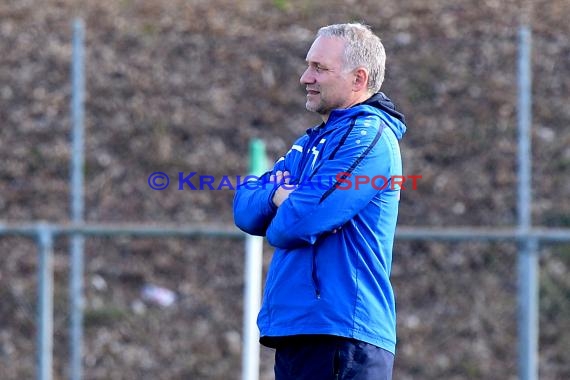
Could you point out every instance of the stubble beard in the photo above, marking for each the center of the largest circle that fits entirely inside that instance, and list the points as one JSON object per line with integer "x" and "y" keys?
{"x": 317, "y": 107}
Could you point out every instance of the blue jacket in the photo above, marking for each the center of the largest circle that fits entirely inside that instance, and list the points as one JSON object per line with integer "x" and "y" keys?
{"x": 320, "y": 281}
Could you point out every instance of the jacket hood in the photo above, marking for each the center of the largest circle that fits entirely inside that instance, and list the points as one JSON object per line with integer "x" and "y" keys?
{"x": 383, "y": 103}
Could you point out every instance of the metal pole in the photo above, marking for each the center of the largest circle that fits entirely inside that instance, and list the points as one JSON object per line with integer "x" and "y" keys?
{"x": 77, "y": 199}
{"x": 253, "y": 271}
{"x": 212, "y": 230}
{"x": 528, "y": 256}
{"x": 528, "y": 310}
{"x": 45, "y": 302}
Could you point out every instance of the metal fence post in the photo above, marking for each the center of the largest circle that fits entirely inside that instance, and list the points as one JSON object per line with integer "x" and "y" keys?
{"x": 77, "y": 202}
{"x": 45, "y": 302}
{"x": 527, "y": 259}
{"x": 528, "y": 309}
{"x": 253, "y": 274}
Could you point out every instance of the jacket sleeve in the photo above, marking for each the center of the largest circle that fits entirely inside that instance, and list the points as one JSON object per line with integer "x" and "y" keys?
{"x": 336, "y": 191}
{"x": 253, "y": 204}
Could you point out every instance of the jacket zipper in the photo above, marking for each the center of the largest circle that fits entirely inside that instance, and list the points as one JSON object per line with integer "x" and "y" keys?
{"x": 314, "y": 137}
{"x": 315, "y": 276}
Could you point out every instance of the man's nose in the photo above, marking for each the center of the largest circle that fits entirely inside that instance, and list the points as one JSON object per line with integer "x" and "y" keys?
{"x": 306, "y": 77}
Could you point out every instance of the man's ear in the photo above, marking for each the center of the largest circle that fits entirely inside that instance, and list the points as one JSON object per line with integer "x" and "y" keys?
{"x": 360, "y": 81}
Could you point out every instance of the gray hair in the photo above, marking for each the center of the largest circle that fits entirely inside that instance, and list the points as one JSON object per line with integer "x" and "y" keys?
{"x": 363, "y": 49}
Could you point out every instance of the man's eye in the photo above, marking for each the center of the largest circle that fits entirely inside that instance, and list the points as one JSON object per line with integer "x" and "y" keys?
{"x": 319, "y": 68}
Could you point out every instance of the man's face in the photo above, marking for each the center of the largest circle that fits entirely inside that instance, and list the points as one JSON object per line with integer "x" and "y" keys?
{"x": 328, "y": 84}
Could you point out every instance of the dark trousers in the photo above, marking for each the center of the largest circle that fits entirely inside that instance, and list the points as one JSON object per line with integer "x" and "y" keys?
{"x": 331, "y": 358}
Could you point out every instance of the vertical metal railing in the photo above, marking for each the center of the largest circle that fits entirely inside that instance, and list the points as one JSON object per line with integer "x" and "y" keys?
{"x": 45, "y": 302}
{"x": 528, "y": 246}
{"x": 77, "y": 200}
{"x": 253, "y": 279}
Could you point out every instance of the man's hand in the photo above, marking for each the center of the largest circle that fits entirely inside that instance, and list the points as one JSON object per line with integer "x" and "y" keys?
{"x": 282, "y": 192}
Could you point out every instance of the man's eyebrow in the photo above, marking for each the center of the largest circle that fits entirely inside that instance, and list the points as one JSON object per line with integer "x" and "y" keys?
{"x": 316, "y": 63}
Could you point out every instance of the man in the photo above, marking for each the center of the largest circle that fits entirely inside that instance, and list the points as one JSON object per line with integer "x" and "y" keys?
{"x": 328, "y": 305}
